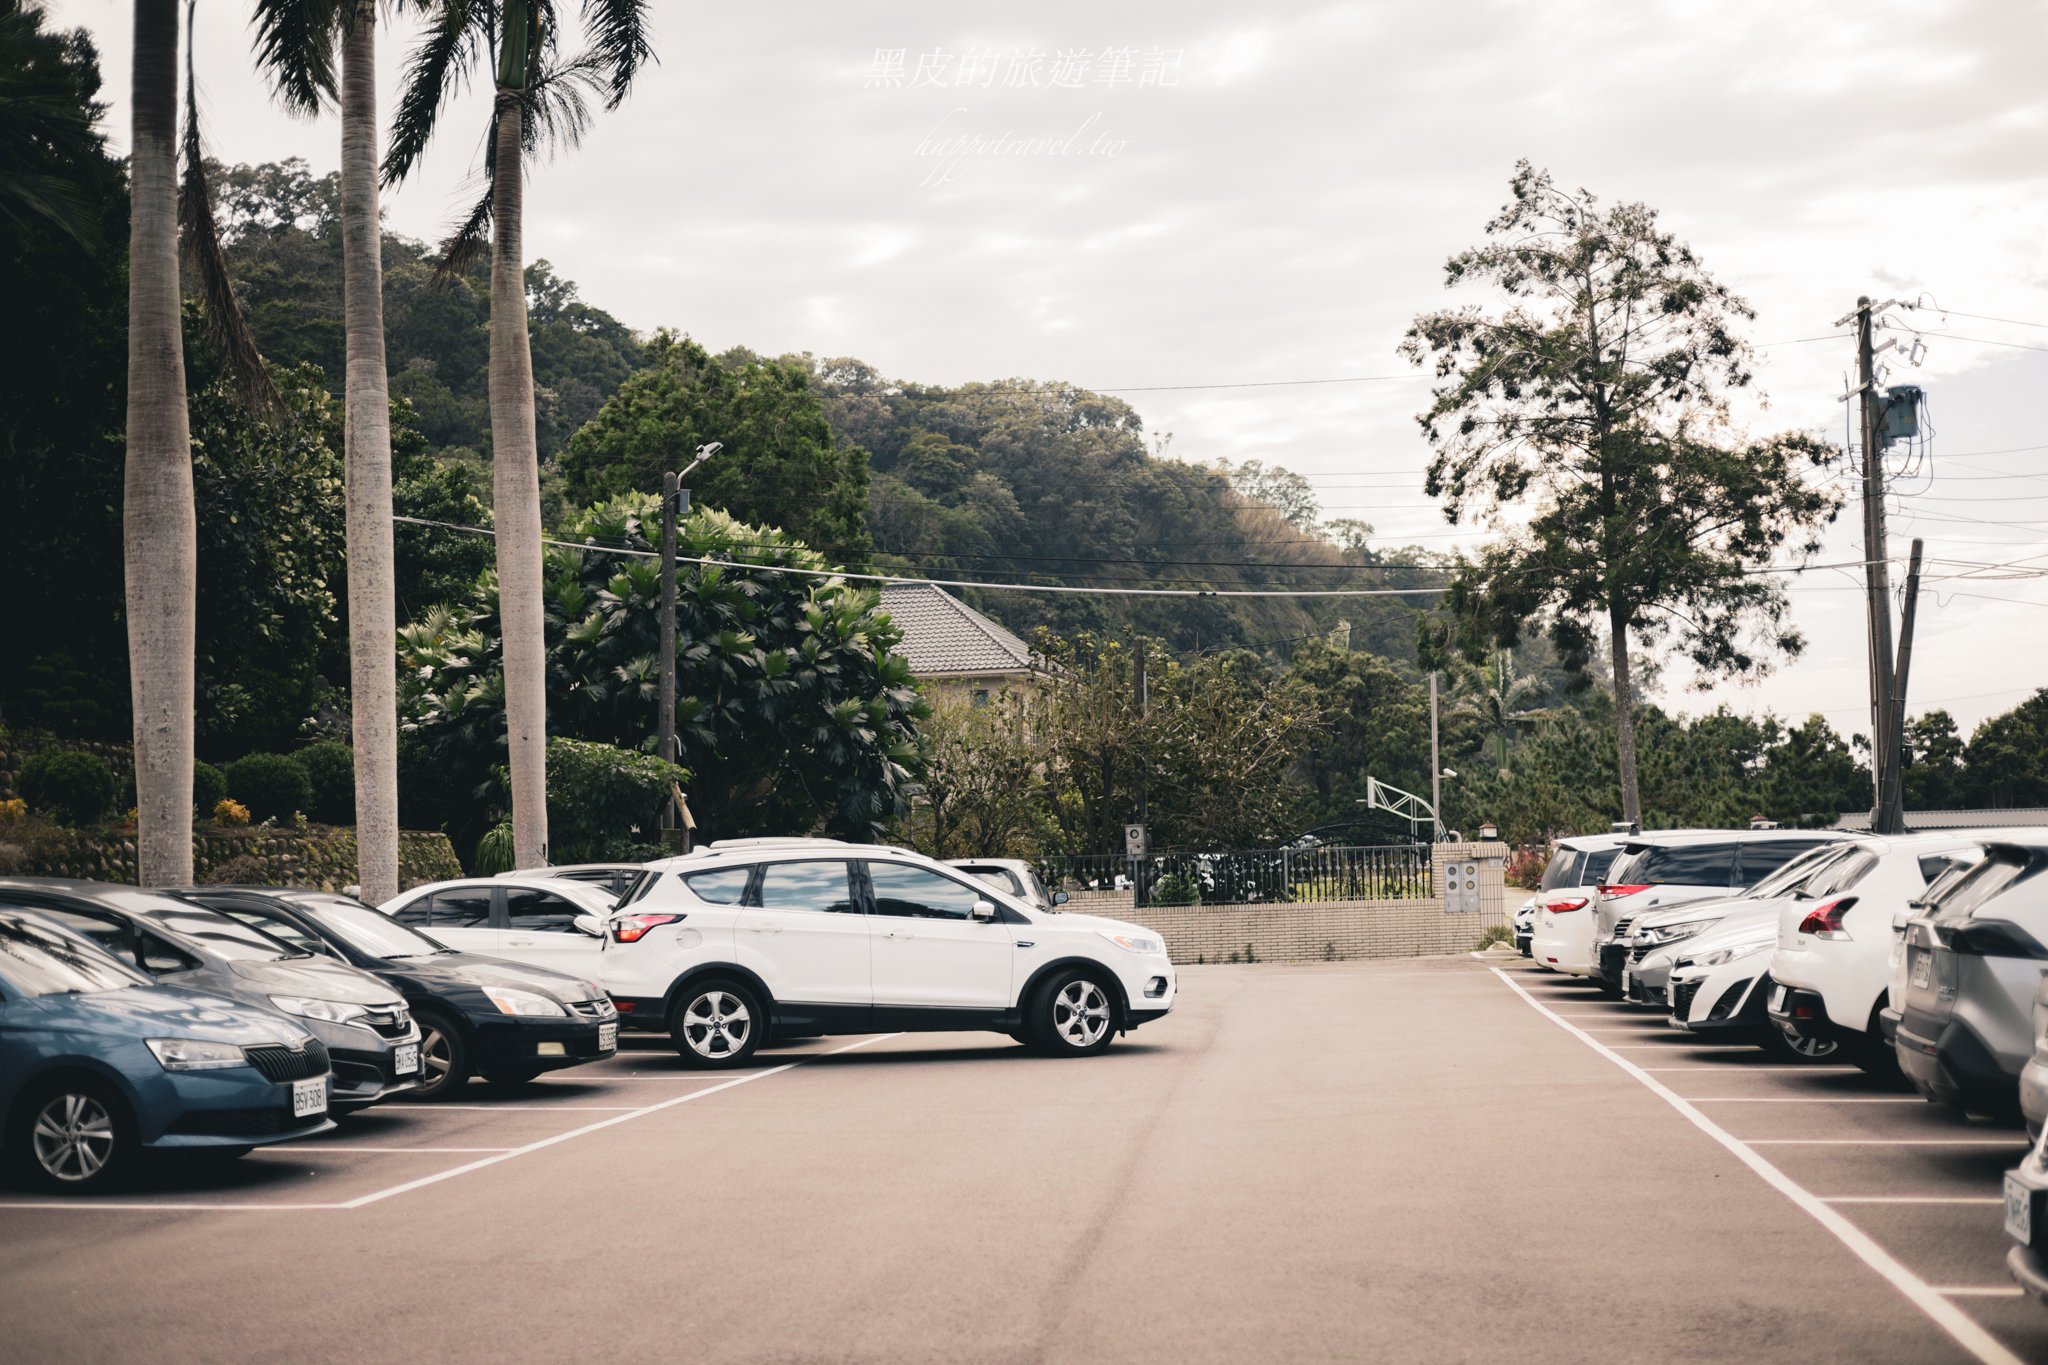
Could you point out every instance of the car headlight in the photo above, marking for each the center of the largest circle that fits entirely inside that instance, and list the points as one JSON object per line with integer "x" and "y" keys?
{"x": 531, "y": 1004}
{"x": 1672, "y": 933}
{"x": 1721, "y": 955}
{"x": 1136, "y": 943}
{"x": 333, "y": 1011}
{"x": 195, "y": 1054}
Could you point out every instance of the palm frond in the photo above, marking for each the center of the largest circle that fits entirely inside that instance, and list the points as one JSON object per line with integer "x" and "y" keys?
{"x": 439, "y": 68}
{"x": 468, "y": 239}
{"x": 619, "y": 43}
{"x": 295, "y": 42}
{"x": 226, "y": 324}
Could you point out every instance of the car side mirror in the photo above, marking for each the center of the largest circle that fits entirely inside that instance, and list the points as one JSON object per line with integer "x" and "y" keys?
{"x": 1900, "y": 919}
{"x": 983, "y": 910}
{"x": 156, "y": 964}
{"x": 591, "y": 925}
{"x": 1060, "y": 898}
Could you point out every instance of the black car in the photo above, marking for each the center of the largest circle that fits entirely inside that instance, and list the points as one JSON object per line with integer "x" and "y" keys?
{"x": 505, "y": 1021}
{"x": 372, "y": 1042}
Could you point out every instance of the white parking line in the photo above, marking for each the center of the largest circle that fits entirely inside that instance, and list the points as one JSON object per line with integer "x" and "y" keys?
{"x": 1808, "y": 1099}
{"x": 1745, "y": 1070}
{"x": 1973, "y": 1199}
{"x": 304, "y": 1147}
{"x": 1917, "y": 1291}
{"x": 519, "y": 1108}
{"x": 1885, "y": 1142}
{"x": 1674, "y": 1045}
{"x": 1992, "y": 1291}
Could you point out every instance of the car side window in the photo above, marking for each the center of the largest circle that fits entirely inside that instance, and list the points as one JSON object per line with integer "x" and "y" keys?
{"x": 540, "y": 911}
{"x": 277, "y": 926}
{"x": 111, "y": 932}
{"x": 918, "y": 893}
{"x": 414, "y": 912}
{"x": 460, "y": 908}
{"x": 822, "y": 886}
{"x": 1691, "y": 865}
{"x": 725, "y": 886}
{"x": 1766, "y": 856}
{"x": 1001, "y": 878}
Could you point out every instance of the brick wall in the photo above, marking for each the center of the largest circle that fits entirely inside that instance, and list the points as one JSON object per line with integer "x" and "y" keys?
{"x": 1314, "y": 931}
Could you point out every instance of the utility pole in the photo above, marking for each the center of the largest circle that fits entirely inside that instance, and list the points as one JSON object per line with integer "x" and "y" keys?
{"x": 1884, "y": 749}
{"x": 1895, "y": 795}
{"x": 665, "y": 730}
{"x": 1144, "y": 699}
{"x": 1436, "y": 762}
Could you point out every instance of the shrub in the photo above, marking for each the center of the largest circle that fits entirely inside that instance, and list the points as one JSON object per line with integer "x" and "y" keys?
{"x": 270, "y": 785}
{"x": 209, "y": 785}
{"x": 494, "y": 851}
{"x": 598, "y": 795}
{"x": 77, "y": 788}
{"x": 13, "y": 808}
{"x": 228, "y": 811}
{"x": 1525, "y": 867}
{"x": 1176, "y": 888}
{"x": 331, "y": 769}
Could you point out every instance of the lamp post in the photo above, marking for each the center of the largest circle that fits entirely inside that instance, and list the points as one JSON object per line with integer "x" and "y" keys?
{"x": 675, "y": 500}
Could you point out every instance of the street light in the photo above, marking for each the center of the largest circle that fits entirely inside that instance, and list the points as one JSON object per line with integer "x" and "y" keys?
{"x": 675, "y": 501}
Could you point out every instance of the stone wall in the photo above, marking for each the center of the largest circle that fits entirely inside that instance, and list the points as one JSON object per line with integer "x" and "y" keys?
{"x": 1314, "y": 931}
{"x": 322, "y": 856}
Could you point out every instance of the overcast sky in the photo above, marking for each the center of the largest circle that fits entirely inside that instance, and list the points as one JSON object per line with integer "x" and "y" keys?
{"x": 1194, "y": 194}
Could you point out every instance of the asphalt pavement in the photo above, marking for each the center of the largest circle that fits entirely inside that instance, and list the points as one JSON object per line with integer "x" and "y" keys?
{"x": 1386, "y": 1161}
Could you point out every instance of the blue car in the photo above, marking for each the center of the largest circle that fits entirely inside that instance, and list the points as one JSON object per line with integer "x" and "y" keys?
{"x": 98, "y": 1064}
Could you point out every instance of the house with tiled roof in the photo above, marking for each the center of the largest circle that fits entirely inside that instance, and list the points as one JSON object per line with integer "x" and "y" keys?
{"x": 952, "y": 646}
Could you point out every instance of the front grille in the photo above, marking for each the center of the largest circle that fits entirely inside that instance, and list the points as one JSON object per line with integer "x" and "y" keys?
{"x": 280, "y": 1063}
{"x": 1621, "y": 927}
{"x": 390, "y": 1023}
{"x": 239, "y": 1123}
{"x": 1725, "y": 1007}
{"x": 1682, "y": 993}
{"x": 593, "y": 1009}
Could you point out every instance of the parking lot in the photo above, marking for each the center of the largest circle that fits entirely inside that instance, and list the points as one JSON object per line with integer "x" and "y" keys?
{"x": 1415, "y": 1160}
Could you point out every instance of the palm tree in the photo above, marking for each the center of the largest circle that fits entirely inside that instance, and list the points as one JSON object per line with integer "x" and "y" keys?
{"x": 160, "y": 530}
{"x": 540, "y": 101}
{"x": 296, "y": 43}
{"x": 1496, "y": 699}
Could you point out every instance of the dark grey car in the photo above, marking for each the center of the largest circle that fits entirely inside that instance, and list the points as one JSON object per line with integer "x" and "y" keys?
{"x": 1973, "y": 967}
{"x": 371, "y": 1039}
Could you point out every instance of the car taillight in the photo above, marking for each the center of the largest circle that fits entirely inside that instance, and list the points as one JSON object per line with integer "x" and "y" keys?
{"x": 1625, "y": 888}
{"x": 1825, "y": 919}
{"x": 1568, "y": 903}
{"x": 633, "y": 928}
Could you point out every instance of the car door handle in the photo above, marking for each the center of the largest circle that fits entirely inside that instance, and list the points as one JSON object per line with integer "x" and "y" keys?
{"x": 764, "y": 928}
{"x": 898, "y": 933}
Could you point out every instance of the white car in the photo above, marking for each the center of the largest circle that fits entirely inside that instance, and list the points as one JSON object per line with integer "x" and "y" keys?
{"x": 542, "y": 921}
{"x": 753, "y": 938}
{"x": 1561, "y": 935}
{"x": 1834, "y": 942}
{"x": 1720, "y": 984}
{"x": 1014, "y": 876}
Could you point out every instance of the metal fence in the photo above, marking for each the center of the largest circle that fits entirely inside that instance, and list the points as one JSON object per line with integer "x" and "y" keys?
{"x": 1241, "y": 876}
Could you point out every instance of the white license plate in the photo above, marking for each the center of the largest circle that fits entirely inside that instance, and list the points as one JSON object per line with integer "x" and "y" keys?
{"x": 2019, "y": 1212}
{"x": 1778, "y": 994}
{"x": 1625, "y": 977}
{"x": 607, "y": 1037}
{"x": 405, "y": 1060}
{"x": 1923, "y": 968}
{"x": 309, "y": 1097}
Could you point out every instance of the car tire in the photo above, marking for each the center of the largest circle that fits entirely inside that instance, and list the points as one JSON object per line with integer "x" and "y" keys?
{"x": 1877, "y": 1058}
{"x": 1817, "y": 1047}
{"x": 74, "y": 1135}
{"x": 1071, "y": 1014}
{"x": 717, "y": 1023}
{"x": 511, "y": 1077}
{"x": 444, "y": 1057}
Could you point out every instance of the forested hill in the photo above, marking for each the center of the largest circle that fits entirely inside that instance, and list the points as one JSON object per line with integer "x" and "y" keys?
{"x": 1017, "y": 481}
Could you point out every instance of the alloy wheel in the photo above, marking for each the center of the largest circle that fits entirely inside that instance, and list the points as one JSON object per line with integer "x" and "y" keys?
{"x": 1080, "y": 1013}
{"x": 73, "y": 1137}
{"x": 437, "y": 1057}
{"x": 716, "y": 1025}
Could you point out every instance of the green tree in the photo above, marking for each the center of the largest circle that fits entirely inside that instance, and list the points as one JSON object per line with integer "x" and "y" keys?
{"x": 983, "y": 777}
{"x": 794, "y": 713}
{"x": 2007, "y": 758}
{"x": 540, "y": 97}
{"x": 48, "y": 142}
{"x": 780, "y": 466}
{"x": 1933, "y": 774}
{"x": 1597, "y": 397}
{"x": 1499, "y": 699}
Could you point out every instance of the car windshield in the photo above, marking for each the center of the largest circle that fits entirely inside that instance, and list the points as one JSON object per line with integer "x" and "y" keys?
{"x": 1983, "y": 883}
{"x": 219, "y": 935}
{"x": 36, "y": 958}
{"x": 1795, "y": 874}
{"x": 1563, "y": 870}
{"x": 368, "y": 931}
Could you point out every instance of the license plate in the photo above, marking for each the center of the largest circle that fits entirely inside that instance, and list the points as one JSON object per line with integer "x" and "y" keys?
{"x": 1923, "y": 968}
{"x": 607, "y": 1037}
{"x": 1778, "y": 994}
{"x": 1624, "y": 980}
{"x": 2019, "y": 1212}
{"x": 405, "y": 1060}
{"x": 309, "y": 1097}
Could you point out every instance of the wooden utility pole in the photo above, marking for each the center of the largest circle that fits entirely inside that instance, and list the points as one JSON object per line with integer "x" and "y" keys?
{"x": 1895, "y": 795}
{"x": 1142, "y": 693}
{"x": 1436, "y": 762}
{"x": 1884, "y": 748}
{"x": 665, "y": 728}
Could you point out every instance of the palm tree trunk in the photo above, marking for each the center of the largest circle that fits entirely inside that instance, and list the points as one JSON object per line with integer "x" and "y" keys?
{"x": 1624, "y": 717}
{"x": 515, "y": 490}
{"x": 160, "y": 532}
{"x": 372, "y": 613}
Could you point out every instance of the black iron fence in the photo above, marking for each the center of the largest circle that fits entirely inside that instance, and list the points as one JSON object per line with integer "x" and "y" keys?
{"x": 1241, "y": 876}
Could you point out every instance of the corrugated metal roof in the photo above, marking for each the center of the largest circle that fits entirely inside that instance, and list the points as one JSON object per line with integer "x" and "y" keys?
{"x": 1955, "y": 819}
{"x": 944, "y": 637}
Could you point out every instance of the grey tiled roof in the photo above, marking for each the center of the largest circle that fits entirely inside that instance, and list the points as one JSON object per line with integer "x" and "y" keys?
{"x": 943, "y": 636}
{"x": 1954, "y": 819}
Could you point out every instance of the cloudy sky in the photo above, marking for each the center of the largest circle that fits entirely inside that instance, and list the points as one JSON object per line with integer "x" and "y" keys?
{"x": 1152, "y": 195}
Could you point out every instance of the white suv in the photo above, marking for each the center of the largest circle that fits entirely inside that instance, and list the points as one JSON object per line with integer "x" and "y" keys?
{"x": 752, "y": 938}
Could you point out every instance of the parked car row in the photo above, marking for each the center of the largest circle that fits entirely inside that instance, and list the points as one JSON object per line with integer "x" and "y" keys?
{"x": 217, "y": 1019}
{"x": 1918, "y": 955}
